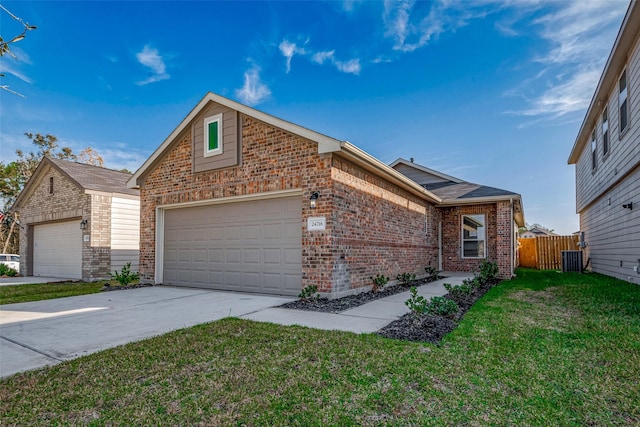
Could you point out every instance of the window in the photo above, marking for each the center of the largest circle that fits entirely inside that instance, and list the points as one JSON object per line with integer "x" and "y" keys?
{"x": 51, "y": 185}
{"x": 474, "y": 240}
{"x": 213, "y": 135}
{"x": 594, "y": 146}
{"x": 623, "y": 102}
{"x": 605, "y": 132}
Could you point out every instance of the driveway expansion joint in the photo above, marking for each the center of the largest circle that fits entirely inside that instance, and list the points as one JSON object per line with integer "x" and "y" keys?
{"x": 28, "y": 347}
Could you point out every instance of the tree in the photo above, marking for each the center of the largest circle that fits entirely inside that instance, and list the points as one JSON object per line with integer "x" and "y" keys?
{"x": 5, "y": 45}
{"x": 89, "y": 156}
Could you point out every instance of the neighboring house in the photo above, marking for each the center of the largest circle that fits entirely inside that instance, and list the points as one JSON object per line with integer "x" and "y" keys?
{"x": 606, "y": 155}
{"x": 236, "y": 199}
{"x": 77, "y": 221}
{"x": 536, "y": 232}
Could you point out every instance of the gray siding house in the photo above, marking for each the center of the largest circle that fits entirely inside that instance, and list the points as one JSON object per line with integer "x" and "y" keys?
{"x": 606, "y": 155}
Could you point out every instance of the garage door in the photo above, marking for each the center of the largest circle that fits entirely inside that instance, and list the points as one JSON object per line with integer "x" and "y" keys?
{"x": 57, "y": 250}
{"x": 253, "y": 246}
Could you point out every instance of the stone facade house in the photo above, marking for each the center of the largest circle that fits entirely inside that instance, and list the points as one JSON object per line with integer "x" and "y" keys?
{"x": 606, "y": 155}
{"x": 240, "y": 200}
{"x": 77, "y": 221}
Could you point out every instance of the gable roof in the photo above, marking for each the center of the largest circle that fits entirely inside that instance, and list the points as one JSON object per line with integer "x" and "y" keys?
{"x": 455, "y": 191}
{"x": 617, "y": 60}
{"x": 326, "y": 144}
{"x": 85, "y": 177}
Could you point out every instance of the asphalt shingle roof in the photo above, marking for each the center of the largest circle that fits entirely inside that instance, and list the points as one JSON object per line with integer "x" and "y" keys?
{"x": 97, "y": 178}
{"x": 464, "y": 190}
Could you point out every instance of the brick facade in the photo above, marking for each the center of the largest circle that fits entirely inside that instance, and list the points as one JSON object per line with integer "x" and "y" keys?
{"x": 68, "y": 203}
{"x": 499, "y": 237}
{"x": 373, "y": 226}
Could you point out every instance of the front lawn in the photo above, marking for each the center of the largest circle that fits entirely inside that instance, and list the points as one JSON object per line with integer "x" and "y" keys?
{"x": 40, "y": 291}
{"x": 544, "y": 349}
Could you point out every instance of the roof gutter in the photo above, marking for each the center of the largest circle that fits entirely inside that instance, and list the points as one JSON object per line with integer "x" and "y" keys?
{"x": 379, "y": 168}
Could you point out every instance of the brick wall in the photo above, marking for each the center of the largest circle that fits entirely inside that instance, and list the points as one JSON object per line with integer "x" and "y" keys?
{"x": 378, "y": 229}
{"x": 498, "y": 229}
{"x": 272, "y": 160}
{"x": 67, "y": 203}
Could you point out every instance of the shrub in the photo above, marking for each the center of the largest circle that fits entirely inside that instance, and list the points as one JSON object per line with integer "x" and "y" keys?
{"x": 436, "y": 305}
{"x": 406, "y": 278}
{"x": 473, "y": 283}
{"x": 379, "y": 281}
{"x": 126, "y": 276}
{"x": 489, "y": 272}
{"x": 432, "y": 272}
{"x": 5, "y": 270}
{"x": 309, "y": 293}
{"x": 442, "y": 306}
{"x": 458, "y": 291}
{"x": 416, "y": 303}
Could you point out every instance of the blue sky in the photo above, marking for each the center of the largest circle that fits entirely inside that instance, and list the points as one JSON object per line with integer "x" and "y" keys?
{"x": 492, "y": 92}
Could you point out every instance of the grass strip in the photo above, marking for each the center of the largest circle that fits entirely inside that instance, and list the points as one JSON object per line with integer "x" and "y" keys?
{"x": 543, "y": 349}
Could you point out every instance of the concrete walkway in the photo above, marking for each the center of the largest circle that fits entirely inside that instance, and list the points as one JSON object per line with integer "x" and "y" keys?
{"x": 41, "y": 333}
{"x": 367, "y": 318}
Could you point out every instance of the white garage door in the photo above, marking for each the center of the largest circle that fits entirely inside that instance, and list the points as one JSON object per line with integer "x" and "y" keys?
{"x": 253, "y": 246}
{"x": 57, "y": 250}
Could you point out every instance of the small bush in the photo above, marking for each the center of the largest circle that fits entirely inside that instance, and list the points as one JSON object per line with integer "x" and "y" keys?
{"x": 416, "y": 303}
{"x": 473, "y": 283}
{"x": 458, "y": 291}
{"x": 442, "y": 306}
{"x": 5, "y": 270}
{"x": 309, "y": 293}
{"x": 432, "y": 272}
{"x": 436, "y": 305}
{"x": 406, "y": 278}
{"x": 126, "y": 276}
{"x": 489, "y": 272}
{"x": 379, "y": 282}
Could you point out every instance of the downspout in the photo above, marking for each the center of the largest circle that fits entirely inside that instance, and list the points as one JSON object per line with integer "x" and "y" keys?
{"x": 513, "y": 240}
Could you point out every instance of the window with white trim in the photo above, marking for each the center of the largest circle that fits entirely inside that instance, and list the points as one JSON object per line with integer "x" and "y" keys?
{"x": 594, "y": 150}
{"x": 623, "y": 103}
{"x": 605, "y": 131}
{"x": 474, "y": 236}
{"x": 213, "y": 135}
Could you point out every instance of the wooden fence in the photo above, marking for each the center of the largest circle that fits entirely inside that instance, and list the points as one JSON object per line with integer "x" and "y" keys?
{"x": 545, "y": 252}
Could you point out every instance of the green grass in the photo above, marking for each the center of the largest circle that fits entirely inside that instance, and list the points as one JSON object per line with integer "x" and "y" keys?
{"x": 40, "y": 291}
{"x": 544, "y": 349}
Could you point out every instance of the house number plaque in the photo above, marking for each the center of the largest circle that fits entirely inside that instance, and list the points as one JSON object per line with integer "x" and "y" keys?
{"x": 316, "y": 223}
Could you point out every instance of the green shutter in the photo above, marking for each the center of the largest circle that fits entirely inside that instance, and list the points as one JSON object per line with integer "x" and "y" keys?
{"x": 213, "y": 136}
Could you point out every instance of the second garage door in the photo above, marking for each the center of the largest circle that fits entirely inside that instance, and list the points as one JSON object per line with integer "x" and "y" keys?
{"x": 253, "y": 246}
{"x": 57, "y": 250}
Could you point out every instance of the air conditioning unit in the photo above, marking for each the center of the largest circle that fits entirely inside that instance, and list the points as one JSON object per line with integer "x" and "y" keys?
{"x": 572, "y": 261}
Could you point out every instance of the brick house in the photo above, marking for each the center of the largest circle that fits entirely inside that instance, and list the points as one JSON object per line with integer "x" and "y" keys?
{"x": 236, "y": 199}
{"x": 77, "y": 221}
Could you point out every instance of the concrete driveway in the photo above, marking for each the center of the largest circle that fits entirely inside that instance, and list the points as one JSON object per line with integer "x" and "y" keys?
{"x": 41, "y": 333}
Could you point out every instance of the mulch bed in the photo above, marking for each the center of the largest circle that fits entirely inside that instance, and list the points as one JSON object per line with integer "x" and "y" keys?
{"x": 108, "y": 288}
{"x": 338, "y": 305}
{"x": 410, "y": 327}
{"x": 433, "y": 328}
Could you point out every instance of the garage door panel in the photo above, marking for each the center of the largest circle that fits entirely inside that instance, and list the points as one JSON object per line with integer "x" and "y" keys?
{"x": 57, "y": 250}
{"x": 251, "y": 246}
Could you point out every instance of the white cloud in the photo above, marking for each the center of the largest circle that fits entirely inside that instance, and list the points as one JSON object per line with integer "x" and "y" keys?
{"x": 151, "y": 58}
{"x": 288, "y": 50}
{"x": 579, "y": 35}
{"x": 351, "y": 66}
{"x": 7, "y": 68}
{"x": 254, "y": 91}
